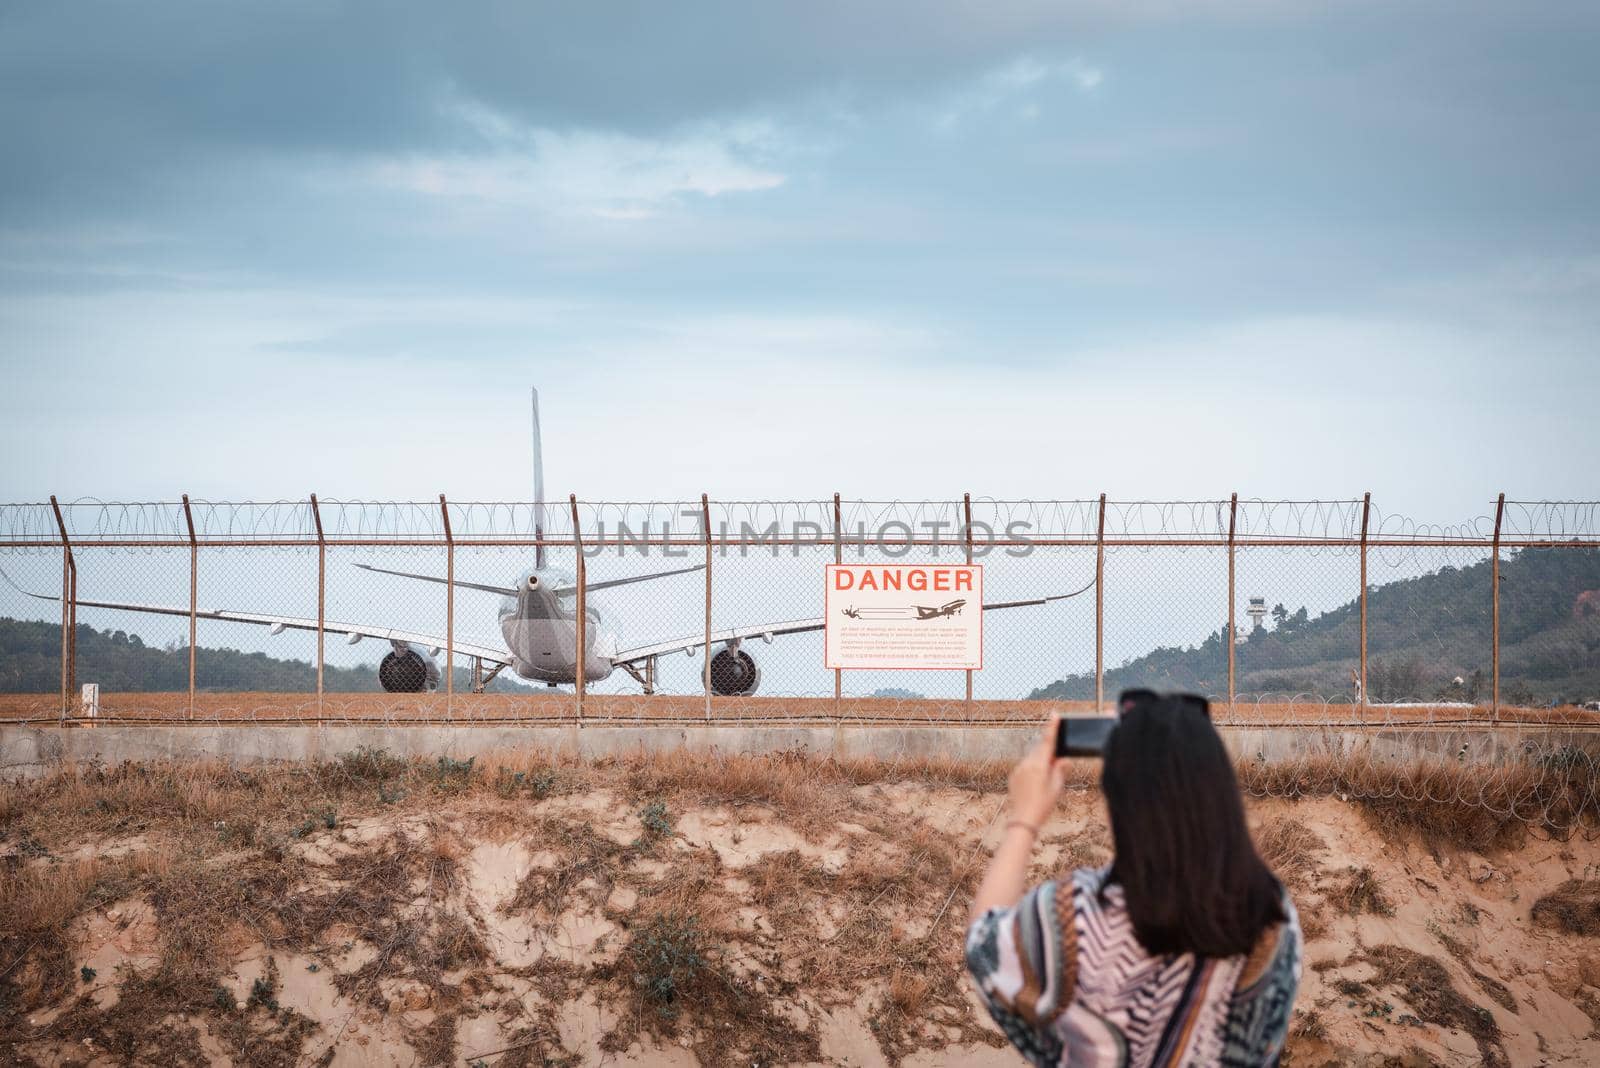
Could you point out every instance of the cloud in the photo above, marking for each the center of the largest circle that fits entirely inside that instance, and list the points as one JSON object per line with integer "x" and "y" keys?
{"x": 1026, "y": 71}
{"x": 1016, "y": 84}
{"x": 616, "y": 176}
{"x": 1035, "y": 185}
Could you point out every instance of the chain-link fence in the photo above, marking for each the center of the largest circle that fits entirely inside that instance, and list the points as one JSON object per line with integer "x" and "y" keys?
{"x": 1286, "y": 613}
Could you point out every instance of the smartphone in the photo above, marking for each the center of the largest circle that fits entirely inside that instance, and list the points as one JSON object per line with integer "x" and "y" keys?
{"x": 1083, "y": 736}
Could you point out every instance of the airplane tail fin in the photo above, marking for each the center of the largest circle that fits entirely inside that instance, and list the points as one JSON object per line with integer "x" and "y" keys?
{"x": 538, "y": 485}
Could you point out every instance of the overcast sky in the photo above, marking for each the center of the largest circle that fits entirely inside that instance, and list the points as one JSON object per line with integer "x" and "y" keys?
{"x": 894, "y": 249}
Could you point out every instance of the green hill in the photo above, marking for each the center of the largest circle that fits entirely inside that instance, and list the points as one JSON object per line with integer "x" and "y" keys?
{"x": 1422, "y": 633}
{"x": 30, "y": 662}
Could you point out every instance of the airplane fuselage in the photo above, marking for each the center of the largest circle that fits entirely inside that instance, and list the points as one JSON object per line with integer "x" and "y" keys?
{"x": 540, "y": 628}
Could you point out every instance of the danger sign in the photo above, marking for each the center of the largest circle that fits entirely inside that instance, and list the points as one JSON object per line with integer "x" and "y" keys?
{"x": 904, "y": 616}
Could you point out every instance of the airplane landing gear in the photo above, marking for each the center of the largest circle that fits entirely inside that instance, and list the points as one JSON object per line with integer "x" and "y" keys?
{"x": 645, "y": 678}
{"x": 479, "y": 679}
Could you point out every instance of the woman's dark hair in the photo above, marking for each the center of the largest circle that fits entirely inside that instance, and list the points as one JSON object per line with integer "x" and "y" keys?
{"x": 1191, "y": 875}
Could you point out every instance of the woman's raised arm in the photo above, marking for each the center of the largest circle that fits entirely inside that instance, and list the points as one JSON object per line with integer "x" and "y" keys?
{"x": 1035, "y": 786}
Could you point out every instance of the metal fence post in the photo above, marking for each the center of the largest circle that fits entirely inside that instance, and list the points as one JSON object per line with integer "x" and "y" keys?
{"x": 705, "y": 519}
{"x": 194, "y": 596}
{"x": 579, "y": 682}
{"x": 322, "y": 598}
{"x": 1366, "y": 513}
{"x": 66, "y": 594}
{"x": 838, "y": 558}
{"x": 69, "y": 612}
{"x": 72, "y": 626}
{"x": 1100, "y": 610}
{"x": 1494, "y": 618}
{"x": 449, "y": 612}
{"x": 1233, "y": 634}
{"x": 966, "y": 529}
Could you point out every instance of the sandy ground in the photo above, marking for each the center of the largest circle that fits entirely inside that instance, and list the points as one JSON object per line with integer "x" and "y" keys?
{"x": 834, "y": 910}
{"x": 382, "y": 707}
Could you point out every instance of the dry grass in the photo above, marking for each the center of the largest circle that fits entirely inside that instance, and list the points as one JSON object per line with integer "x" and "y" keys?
{"x": 1488, "y": 984}
{"x": 215, "y": 861}
{"x": 792, "y": 780}
{"x": 583, "y": 856}
{"x": 1573, "y": 907}
{"x": 37, "y": 905}
{"x": 885, "y": 913}
{"x": 1309, "y": 1025}
{"x": 675, "y": 974}
{"x": 227, "y": 856}
{"x": 1443, "y": 803}
{"x": 399, "y": 890}
{"x": 1291, "y": 849}
{"x": 1360, "y": 893}
{"x": 1426, "y": 986}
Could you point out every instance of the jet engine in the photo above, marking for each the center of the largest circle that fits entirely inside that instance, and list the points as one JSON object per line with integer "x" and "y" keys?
{"x": 408, "y": 670}
{"x": 734, "y": 672}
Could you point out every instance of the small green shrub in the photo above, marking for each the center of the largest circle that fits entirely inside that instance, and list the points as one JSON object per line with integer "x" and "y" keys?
{"x": 668, "y": 957}
{"x": 325, "y": 818}
{"x": 29, "y": 846}
{"x": 657, "y": 822}
{"x": 371, "y": 764}
{"x": 452, "y": 775}
{"x": 263, "y": 992}
{"x": 539, "y": 784}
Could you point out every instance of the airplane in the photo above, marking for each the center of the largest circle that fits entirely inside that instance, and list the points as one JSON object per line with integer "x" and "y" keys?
{"x": 875, "y": 613}
{"x": 949, "y": 608}
{"x": 538, "y": 624}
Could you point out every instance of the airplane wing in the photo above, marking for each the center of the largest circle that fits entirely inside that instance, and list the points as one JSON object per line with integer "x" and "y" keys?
{"x": 354, "y": 631}
{"x": 609, "y": 583}
{"x": 509, "y": 592}
{"x": 791, "y": 626}
{"x": 695, "y": 641}
{"x": 1036, "y": 600}
{"x": 504, "y": 591}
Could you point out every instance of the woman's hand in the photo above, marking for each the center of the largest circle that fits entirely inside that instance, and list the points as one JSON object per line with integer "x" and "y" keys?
{"x": 1038, "y": 778}
{"x": 1036, "y": 782}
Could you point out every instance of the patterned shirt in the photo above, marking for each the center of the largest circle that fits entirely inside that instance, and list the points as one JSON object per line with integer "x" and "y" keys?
{"x": 1065, "y": 977}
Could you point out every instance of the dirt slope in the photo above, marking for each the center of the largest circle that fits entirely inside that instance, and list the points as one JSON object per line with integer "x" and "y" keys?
{"x": 684, "y": 910}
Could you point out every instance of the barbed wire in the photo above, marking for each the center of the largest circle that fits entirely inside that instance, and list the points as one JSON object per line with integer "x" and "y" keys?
{"x": 1339, "y": 521}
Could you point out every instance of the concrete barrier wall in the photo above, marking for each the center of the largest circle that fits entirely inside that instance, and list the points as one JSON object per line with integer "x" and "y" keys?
{"x": 30, "y": 751}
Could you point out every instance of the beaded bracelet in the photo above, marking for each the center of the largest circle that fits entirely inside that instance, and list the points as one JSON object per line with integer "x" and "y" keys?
{"x": 1031, "y": 829}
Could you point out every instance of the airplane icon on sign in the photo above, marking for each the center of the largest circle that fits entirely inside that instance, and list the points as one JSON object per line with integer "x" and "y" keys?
{"x": 916, "y": 611}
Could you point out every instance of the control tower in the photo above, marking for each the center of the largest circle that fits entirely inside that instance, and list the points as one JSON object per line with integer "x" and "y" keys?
{"x": 1257, "y": 611}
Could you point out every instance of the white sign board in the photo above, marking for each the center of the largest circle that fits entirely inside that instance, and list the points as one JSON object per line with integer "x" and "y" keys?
{"x": 904, "y": 616}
